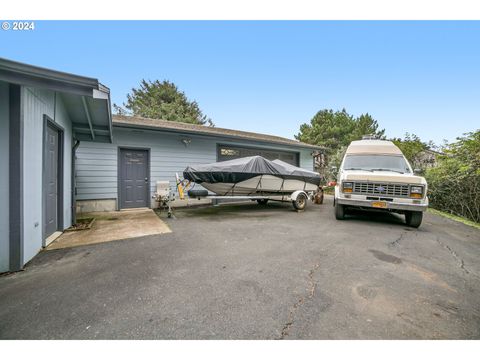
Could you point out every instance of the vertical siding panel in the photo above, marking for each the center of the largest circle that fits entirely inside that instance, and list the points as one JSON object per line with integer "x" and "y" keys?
{"x": 35, "y": 104}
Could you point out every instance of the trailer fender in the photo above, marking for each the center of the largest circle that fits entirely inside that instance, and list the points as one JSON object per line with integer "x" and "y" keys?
{"x": 296, "y": 193}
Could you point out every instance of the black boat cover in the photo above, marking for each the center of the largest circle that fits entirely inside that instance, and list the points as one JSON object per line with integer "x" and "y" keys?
{"x": 237, "y": 170}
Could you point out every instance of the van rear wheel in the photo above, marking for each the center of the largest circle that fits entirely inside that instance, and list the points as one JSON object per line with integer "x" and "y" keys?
{"x": 413, "y": 218}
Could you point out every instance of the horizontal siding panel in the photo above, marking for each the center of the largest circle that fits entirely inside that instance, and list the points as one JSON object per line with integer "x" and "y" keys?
{"x": 184, "y": 157}
{"x": 91, "y": 156}
{"x": 91, "y": 191}
{"x": 96, "y": 196}
{"x": 168, "y": 163}
{"x": 168, "y": 168}
{"x": 99, "y": 185}
{"x": 99, "y": 166}
{"x": 96, "y": 154}
{"x": 96, "y": 162}
{"x": 165, "y": 175}
{"x": 86, "y": 145}
{"x": 90, "y": 173}
{"x": 88, "y": 179}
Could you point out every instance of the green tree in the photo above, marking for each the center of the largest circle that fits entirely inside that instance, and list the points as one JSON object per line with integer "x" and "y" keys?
{"x": 411, "y": 146}
{"x": 366, "y": 125}
{"x": 162, "y": 100}
{"x": 334, "y": 130}
{"x": 467, "y": 150}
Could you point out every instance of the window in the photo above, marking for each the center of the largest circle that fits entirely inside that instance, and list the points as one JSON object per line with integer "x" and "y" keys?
{"x": 226, "y": 152}
{"x": 229, "y": 152}
{"x": 376, "y": 163}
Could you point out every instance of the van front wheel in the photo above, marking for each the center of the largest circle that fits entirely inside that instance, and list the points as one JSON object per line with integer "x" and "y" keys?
{"x": 413, "y": 218}
{"x": 339, "y": 211}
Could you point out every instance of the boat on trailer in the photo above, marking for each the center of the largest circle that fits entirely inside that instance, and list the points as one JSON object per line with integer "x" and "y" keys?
{"x": 254, "y": 178}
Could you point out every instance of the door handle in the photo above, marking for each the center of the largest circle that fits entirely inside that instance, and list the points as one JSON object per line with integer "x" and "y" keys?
{"x": 146, "y": 179}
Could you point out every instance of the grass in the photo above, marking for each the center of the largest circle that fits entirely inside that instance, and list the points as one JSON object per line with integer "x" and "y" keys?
{"x": 455, "y": 218}
{"x": 82, "y": 224}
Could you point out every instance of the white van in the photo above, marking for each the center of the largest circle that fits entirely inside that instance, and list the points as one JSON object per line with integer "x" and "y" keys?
{"x": 375, "y": 175}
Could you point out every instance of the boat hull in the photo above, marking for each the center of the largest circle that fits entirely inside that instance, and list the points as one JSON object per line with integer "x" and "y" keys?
{"x": 259, "y": 185}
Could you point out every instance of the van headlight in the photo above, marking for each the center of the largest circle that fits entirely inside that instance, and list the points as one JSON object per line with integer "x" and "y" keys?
{"x": 416, "y": 191}
{"x": 347, "y": 187}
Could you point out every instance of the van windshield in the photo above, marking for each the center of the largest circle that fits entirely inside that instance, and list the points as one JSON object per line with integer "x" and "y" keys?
{"x": 376, "y": 163}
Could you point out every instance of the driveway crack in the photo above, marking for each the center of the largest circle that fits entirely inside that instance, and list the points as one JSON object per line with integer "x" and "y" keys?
{"x": 461, "y": 262}
{"x": 312, "y": 285}
{"x": 397, "y": 240}
{"x": 400, "y": 238}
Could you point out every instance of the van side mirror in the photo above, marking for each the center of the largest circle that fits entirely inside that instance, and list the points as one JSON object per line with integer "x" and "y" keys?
{"x": 418, "y": 171}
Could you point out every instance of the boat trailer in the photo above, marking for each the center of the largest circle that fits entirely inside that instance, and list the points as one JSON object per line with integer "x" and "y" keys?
{"x": 165, "y": 196}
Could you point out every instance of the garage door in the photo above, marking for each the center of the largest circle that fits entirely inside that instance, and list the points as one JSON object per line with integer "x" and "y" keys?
{"x": 227, "y": 152}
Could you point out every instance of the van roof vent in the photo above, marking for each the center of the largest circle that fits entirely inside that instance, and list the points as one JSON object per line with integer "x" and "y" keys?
{"x": 371, "y": 137}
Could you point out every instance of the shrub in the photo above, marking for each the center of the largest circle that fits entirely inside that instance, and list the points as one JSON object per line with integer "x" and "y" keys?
{"x": 454, "y": 185}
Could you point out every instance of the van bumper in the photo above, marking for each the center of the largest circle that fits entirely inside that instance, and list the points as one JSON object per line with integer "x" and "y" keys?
{"x": 389, "y": 205}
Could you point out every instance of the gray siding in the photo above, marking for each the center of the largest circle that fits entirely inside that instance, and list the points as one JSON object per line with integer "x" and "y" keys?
{"x": 96, "y": 172}
{"x": 4, "y": 171}
{"x": 35, "y": 104}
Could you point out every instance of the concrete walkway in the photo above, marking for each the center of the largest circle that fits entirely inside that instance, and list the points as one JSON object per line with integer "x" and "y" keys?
{"x": 115, "y": 225}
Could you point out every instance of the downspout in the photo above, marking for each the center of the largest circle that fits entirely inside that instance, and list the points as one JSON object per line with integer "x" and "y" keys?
{"x": 74, "y": 187}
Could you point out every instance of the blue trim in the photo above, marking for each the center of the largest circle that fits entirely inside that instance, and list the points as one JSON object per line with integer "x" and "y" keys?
{"x": 16, "y": 178}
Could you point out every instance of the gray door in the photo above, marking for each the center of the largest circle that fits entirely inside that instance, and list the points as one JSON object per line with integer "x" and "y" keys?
{"x": 51, "y": 182}
{"x": 133, "y": 178}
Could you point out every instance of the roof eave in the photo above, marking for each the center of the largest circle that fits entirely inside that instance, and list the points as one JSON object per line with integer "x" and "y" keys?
{"x": 34, "y": 76}
{"x": 122, "y": 124}
{"x": 29, "y": 75}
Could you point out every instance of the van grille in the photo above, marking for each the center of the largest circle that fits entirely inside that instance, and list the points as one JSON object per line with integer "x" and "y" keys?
{"x": 369, "y": 188}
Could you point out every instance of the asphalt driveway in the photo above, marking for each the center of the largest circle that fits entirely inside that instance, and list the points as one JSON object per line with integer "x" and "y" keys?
{"x": 253, "y": 272}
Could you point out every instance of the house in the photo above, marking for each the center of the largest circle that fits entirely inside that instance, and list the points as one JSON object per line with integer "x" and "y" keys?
{"x": 145, "y": 151}
{"x": 62, "y": 151}
{"x": 427, "y": 159}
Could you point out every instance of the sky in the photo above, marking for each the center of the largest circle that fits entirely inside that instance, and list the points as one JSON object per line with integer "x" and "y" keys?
{"x": 272, "y": 76}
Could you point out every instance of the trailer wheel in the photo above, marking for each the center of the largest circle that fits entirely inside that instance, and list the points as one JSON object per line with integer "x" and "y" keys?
{"x": 262, "y": 201}
{"x": 300, "y": 202}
